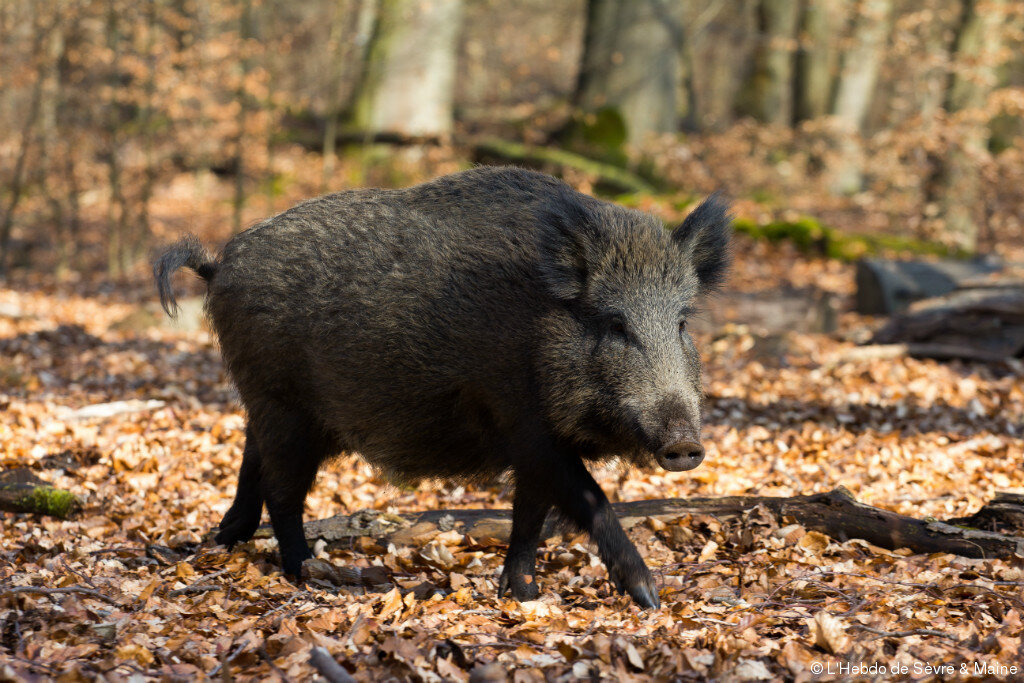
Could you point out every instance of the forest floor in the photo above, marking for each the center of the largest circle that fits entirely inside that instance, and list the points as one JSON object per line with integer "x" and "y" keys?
{"x": 789, "y": 412}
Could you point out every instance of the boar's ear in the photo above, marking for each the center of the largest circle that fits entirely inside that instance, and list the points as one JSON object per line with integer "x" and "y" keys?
{"x": 568, "y": 246}
{"x": 705, "y": 236}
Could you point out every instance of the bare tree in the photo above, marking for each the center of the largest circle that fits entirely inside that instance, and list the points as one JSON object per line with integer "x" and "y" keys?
{"x": 769, "y": 92}
{"x": 817, "y": 60}
{"x": 631, "y": 64}
{"x": 354, "y": 52}
{"x": 856, "y": 87}
{"x": 245, "y": 33}
{"x": 27, "y": 139}
{"x": 408, "y": 86}
{"x": 957, "y": 185}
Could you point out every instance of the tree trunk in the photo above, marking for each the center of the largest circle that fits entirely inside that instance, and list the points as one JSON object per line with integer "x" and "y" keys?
{"x": 410, "y": 77}
{"x": 719, "y": 46}
{"x": 818, "y": 56}
{"x": 769, "y": 92}
{"x": 856, "y": 86}
{"x": 957, "y": 186}
{"x": 143, "y": 228}
{"x": 630, "y": 64}
{"x": 17, "y": 186}
{"x": 931, "y": 85}
{"x": 354, "y": 53}
{"x": 982, "y": 322}
{"x": 117, "y": 208}
{"x": 245, "y": 34}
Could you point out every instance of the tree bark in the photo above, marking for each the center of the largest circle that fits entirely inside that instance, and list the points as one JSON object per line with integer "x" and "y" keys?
{"x": 117, "y": 209}
{"x": 630, "y": 64}
{"x": 245, "y": 33}
{"x": 856, "y": 86}
{"x": 818, "y": 56}
{"x": 769, "y": 92}
{"x": 409, "y": 82}
{"x": 958, "y": 186}
{"x": 17, "y": 185}
{"x": 835, "y": 513}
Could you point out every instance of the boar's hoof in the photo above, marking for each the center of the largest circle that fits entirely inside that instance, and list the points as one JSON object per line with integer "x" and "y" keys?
{"x": 523, "y": 586}
{"x": 638, "y": 584}
{"x": 680, "y": 456}
{"x": 291, "y": 563}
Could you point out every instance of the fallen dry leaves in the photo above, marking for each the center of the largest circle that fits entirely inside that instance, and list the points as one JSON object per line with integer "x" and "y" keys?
{"x": 128, "y": 589}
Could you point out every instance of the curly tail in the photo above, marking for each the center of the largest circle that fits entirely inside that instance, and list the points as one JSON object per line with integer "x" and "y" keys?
{"x": 185, "y": 252}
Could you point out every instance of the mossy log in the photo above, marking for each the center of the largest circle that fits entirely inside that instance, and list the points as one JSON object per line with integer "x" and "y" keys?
{"x": 811, "y": 237}
{"x": 613, "y": 178}
{"x": 835, "y": 513}
{"x": 22, "y": 491}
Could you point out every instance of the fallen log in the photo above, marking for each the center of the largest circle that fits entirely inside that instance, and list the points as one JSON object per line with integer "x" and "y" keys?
{"x": 984, "y": 323}
{"x": 22, "y": 491}
{"x": 885, "y": 287}
{"x": 835, "y": 513}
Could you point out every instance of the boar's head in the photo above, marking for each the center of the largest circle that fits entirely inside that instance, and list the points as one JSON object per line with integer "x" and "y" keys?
{"x": 620, "y": 374}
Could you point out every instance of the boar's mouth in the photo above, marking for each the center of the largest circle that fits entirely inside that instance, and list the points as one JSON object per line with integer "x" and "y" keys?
{"x": 680, "y": 456}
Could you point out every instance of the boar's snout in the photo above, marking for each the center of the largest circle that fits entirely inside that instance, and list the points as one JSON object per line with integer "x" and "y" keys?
{"x": 680, "y": 456}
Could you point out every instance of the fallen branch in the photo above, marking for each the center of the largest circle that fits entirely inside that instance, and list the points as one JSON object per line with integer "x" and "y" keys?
{"x": 835, "y": 513}
{"x": 78, "y": 590}
{"x": 904, "y": 634}
{"x": 102, "y": 411}
{"x": 23, "y": 491}
{"x": 1003, "y": 514}
{"x": 921, "y": 350}
{"x": 328, "y": 667}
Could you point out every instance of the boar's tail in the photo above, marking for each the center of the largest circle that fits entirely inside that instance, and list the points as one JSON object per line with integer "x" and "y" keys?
{"x": 186, "y": 252}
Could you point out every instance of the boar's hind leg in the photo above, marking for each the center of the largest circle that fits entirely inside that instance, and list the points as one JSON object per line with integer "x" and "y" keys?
{"x": 242, "y": 520}
{"x": 291, "y": 450}
{"x": 529, "y": 510}
{"x": 581, "y": 500}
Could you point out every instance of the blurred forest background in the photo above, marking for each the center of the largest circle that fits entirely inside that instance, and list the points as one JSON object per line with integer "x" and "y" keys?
{"x": 124, "y": 123}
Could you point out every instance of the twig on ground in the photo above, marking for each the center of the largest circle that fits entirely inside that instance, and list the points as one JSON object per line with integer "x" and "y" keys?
{"x": 196, "y": 586}
{"x": 911, "y": 632}
{"x": 328, "y": 667}
{"x": 38, "y": 590}
{"x": 225, "y": 660}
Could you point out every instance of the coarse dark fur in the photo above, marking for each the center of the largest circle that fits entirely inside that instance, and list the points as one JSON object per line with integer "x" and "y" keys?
{"x": 491, "y": 321}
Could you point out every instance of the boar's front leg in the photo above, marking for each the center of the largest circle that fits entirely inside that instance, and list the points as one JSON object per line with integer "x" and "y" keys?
{"x": 580, "y": 499}
{"x": 529, "y": 510}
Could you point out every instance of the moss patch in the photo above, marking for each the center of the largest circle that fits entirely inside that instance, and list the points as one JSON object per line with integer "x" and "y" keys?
{"x": 812, "y": 237}
{"x": 50, "y": 501}
{"x": 610, "y": 179}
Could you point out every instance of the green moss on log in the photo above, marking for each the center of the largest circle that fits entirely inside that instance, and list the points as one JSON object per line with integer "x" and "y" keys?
{"x": 46, "y": 500}
{"x": 612, "y": 177}
{"x": 812, "y": 237}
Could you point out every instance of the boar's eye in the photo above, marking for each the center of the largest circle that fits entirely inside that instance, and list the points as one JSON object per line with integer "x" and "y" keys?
{"x": 682, "y": 326}
{"x": 617, "y": 326}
